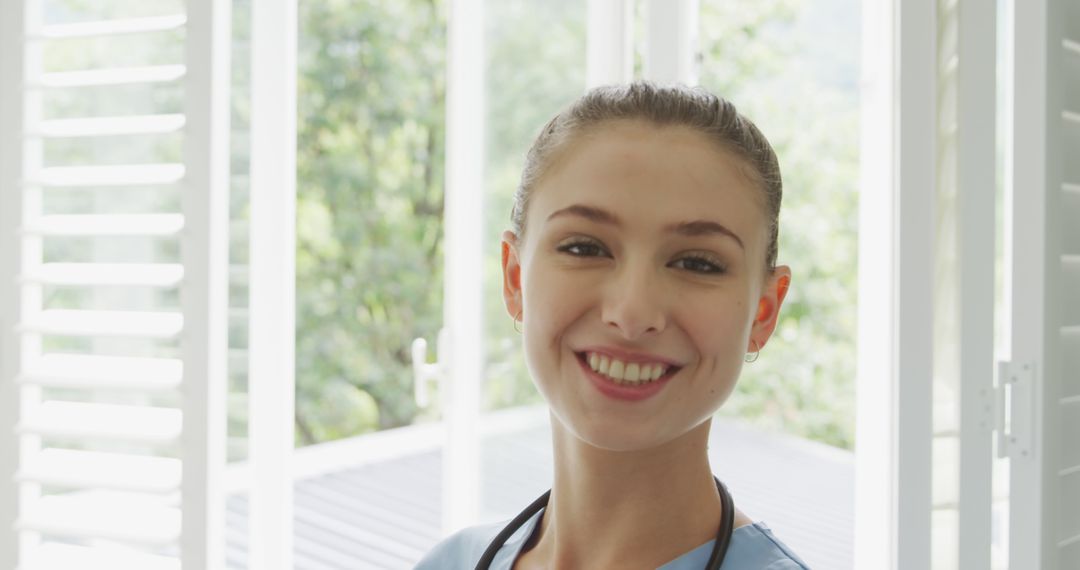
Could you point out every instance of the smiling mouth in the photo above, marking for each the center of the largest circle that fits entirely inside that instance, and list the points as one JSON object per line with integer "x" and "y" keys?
{"x": 630, "y": 375}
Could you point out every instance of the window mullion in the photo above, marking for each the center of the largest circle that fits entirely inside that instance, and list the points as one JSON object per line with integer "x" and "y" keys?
{"x": 272, "y": 296}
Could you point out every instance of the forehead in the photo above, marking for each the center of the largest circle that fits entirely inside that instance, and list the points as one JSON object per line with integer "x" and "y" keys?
{"x": 652, "y": 175}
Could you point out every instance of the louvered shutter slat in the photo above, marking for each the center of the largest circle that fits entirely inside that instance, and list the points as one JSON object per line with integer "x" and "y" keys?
{"x": 87, "y": 421}
{"x": 109, "y": 126}
{"x": 103, "y": 514}
{"x": 1068, "y": 459}
{"x": 50, "y": 556}
{"x": 141, "y": 324}
{"x": 238, "y": 275}
{"x": 238, "y": 315}
{"x": 121, "y": 472}
{"x": 122, "y": 175}
{"x": 105, "y": 500}
{"x": 238, "y": 361}
{"x": 114, "y": 76}
{"x": 111, "y": 27}
{"x": 106, "y": 225}
{"x": 132, "y": 274}
{"x": 94, "y": 371}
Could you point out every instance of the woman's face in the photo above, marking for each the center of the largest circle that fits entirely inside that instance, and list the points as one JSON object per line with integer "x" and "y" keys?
{"x": 645, "y": 246}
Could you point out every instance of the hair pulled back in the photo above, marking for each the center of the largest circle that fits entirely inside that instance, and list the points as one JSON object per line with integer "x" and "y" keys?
{"x": 667, "y": 105}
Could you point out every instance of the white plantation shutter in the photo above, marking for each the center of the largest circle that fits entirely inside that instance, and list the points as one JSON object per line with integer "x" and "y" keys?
{"x": 113, "y": 292}
{"x": 1064, "y": 461}
{"x": 1044, "y": 298}
{"x": 1031, "y": 414}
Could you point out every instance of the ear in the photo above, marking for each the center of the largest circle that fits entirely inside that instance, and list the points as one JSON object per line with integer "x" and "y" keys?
{"x": 772, "y": 297}
{"x": 511, "y": 266}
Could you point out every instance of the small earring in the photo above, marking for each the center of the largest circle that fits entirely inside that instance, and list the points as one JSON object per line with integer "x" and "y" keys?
{"x": 755, "y": 353}
{"x": 516, "y": 319}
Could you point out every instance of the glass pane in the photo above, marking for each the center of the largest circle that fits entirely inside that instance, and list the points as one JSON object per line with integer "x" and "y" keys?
{"x": 946, "y": 383}
{"x": 793, "y": 68}
{"x": 369, "y": 211}
{"x": 535, "y": 65}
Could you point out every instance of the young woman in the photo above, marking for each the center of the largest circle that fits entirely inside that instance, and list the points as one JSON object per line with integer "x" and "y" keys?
{"x": 641, "y": 265}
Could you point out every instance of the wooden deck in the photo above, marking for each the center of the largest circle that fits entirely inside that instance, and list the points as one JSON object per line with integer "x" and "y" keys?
{"x": 385, "y": 515}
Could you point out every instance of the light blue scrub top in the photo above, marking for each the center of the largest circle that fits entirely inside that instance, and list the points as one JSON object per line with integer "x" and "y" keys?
{"x": 752, "y": 547}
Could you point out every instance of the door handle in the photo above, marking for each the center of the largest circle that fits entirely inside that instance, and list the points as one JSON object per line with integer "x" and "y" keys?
{"x": 424, "y": 372}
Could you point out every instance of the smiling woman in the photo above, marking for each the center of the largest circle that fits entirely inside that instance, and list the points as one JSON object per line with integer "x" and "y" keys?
{"x": 641, "y": 287}
{"x": 642, "y": 264}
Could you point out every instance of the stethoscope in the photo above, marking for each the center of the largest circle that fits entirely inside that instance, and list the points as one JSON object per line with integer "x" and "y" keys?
{"x": 720, "y": 546}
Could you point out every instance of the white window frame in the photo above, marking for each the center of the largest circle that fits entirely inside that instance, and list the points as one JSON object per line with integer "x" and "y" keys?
{"x": 609, "y": 42}
{"x": 975, "y": 221}
{"x": 463, "y": 269}
{"x": 897, "y": 208}
{"x": 12, "y": 64}
{"x": 895, "y": 352}
{"x": 204, "y": 293}
{"x": 272, "y": 284}
{"x": 671, "y": 36}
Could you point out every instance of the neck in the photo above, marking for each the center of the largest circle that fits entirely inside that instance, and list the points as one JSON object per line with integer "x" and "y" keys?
{"x": 627, "y": 509}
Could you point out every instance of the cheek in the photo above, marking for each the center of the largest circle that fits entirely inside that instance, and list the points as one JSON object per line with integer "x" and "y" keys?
{"x": 553, "y": 296}
{"x": 716, "y": 323}
{"x": 545, "y": 299}
{"x": 551, "y": 306}
{"x": 719, "y": 337}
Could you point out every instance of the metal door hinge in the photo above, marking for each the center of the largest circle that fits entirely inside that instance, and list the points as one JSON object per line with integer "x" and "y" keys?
{"x": 1014, "y": 408}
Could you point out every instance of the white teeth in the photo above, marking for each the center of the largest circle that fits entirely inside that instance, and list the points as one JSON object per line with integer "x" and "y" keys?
{"x": 633, "y": 373}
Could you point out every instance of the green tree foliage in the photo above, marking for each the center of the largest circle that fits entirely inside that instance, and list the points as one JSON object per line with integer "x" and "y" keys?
{"x": 756, "y": 55}
{"x": 535, "y": 66}
{"x": 370, "y": 186}
{"x": 369, "y": 210}
{"x": 369, "y": 275}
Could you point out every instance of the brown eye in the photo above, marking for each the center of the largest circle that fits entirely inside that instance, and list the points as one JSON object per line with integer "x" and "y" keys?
{"x": 699, "y": 264}
{"x": 582, "y": 249}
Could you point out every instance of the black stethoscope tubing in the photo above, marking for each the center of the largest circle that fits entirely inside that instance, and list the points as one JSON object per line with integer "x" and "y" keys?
{"x": 723, "y": 536}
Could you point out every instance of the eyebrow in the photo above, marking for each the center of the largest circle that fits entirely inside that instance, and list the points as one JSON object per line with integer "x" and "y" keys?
{"x": 694, "y": 228}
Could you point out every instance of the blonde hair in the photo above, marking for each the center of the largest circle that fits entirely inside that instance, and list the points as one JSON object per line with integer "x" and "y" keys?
{"x": 675, "y": 105}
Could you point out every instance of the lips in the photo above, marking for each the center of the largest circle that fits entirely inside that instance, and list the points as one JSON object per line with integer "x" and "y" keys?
{"x": 624, "y": 392}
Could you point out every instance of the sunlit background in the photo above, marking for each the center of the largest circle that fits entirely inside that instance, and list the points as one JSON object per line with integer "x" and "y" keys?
{"x": 105, "y": 161}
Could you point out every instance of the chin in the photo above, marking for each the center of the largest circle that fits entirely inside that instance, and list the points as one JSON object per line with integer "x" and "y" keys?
{"x": 617, "y": 436}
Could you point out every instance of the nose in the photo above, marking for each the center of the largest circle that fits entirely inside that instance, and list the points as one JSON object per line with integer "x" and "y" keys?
{"x": 633, "y": 303}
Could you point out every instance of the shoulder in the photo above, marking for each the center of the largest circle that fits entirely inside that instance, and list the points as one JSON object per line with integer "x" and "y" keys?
{"x": 464, "y": 548}
{"x": 755, "y": 546}
{"x": 459, "y": 550}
